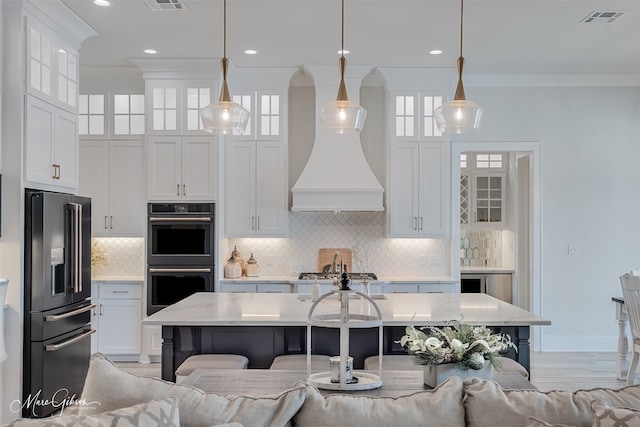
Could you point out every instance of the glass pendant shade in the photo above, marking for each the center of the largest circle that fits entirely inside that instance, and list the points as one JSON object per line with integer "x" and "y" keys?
{"x": 343, "y": 116}
{"x": 458, "y": 116}
{"x": 224, "y": 117}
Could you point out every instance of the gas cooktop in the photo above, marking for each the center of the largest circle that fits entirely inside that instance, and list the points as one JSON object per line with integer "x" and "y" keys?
{"x": 354, "y": 276}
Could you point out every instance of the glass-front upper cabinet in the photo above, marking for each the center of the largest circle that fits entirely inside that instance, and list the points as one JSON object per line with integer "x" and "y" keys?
{"x": 52, "y": 67}
{"x": 483, "y": 189}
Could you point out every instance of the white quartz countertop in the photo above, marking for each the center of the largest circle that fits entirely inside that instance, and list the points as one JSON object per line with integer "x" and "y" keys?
{"x": 117, "y": 279}
{"x": 484, "y": 270}
{"x": 281, "y": 309}
{"x": 381, "y": 279}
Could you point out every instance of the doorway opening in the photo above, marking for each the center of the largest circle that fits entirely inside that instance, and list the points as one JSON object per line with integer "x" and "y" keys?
{"x": 504, "y": 205}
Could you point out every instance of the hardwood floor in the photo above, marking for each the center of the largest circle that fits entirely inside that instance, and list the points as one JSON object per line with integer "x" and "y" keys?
{"x": 549, "y": 370}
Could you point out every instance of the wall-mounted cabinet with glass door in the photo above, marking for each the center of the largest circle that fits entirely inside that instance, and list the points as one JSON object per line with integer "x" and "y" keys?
{"x": 417, "y": 199}
{"x": 256, "y": 168}
{"x": 483, "y": 196}
{"x": 181, "y": 165}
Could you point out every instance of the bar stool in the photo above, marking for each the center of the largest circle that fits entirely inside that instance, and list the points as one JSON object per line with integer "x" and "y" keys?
{"x": 298, "y": 362}
{"x": 210, "y": 361}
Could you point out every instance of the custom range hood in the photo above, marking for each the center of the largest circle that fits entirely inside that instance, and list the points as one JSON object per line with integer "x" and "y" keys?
{"x": 337, "y": 176}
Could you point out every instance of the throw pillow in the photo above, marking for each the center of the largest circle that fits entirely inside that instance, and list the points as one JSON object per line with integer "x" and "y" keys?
{"x": 535, "y": 422}
{"x": 158, "y": 413}
{"x": 487, "y": 404}
{"x": 441, "y": 406}
{"x": 113, "y": 389}
{"x": 607, "y": 416}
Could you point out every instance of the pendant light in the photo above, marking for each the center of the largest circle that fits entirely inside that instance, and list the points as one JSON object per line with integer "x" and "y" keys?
{"x": 459, "y": 115}
{"x": 342, "y": 115}
{"x": 224, "y": 116}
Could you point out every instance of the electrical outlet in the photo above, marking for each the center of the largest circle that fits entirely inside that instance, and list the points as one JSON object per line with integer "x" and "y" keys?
{"x": 573, "y": 249}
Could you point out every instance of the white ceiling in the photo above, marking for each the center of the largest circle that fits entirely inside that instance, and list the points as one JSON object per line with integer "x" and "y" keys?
{"x": 500, "y": 36}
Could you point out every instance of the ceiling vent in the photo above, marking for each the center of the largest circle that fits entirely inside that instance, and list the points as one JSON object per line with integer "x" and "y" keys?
{"x": 165, "y": 4}
{"x": 600, "y": 17}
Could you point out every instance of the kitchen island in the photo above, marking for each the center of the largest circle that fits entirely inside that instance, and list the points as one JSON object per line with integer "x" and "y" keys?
{"x": 261, "y": 326}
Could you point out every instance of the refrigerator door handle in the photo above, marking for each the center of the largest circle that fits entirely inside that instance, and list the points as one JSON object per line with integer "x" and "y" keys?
{"x": 76, "y": 238}
{"x": 56, "y": 347}
{"x": 68, "y": 314}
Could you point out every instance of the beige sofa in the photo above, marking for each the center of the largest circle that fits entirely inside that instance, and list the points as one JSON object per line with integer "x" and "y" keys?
{"x": 116, "y": 398}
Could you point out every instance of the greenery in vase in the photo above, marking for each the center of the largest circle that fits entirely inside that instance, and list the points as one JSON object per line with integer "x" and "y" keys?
{"x": 465, "y": 345}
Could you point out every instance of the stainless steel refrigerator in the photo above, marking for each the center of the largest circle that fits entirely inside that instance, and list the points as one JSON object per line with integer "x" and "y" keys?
{"x": 57, "y": 304}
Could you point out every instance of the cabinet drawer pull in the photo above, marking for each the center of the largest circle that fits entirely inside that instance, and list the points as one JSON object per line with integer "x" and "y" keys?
{"x": 120, "y": 292}
{"x": 253, "y": 222}
{"x": 258, "y": 227}
{"x": 100, "y": 309}
{"x": 400, "y": 292}
{"x": 105, "y": 222}
{"x": 177, "y": 189}
{"x": 420, "y": 223}
{"x": 111, "y": 222}
{"x": 184, "y": 189}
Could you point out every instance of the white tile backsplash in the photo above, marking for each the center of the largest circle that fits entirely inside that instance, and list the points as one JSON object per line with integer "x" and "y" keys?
{"x": 363, "y": 232}
{"x": 123, "y": 256}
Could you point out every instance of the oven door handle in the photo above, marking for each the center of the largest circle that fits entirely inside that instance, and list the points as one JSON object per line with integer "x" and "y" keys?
{"x": 179, "y": 219}
{"x": 179, "y": 270}
{"x": 68, "y": 314}
{"x": 56, "y": 347}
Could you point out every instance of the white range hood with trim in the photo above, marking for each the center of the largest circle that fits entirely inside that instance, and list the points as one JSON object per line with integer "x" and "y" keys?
{"x": 337, "y": 176}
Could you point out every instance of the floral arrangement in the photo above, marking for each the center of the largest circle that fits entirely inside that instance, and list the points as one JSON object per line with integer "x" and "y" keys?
{"x": 465, "y": 345}
{"x": 98, "y": 256}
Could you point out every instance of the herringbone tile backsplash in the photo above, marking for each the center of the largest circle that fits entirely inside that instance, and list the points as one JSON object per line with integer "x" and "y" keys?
{"x": 123, "y": 256}
{"x": 363, "y": 232}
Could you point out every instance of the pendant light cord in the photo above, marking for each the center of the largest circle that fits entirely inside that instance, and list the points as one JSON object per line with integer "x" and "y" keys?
{"x": 461, "y": 26}
{"x": 224, "y": 26}
{"x": 342, "y": 49}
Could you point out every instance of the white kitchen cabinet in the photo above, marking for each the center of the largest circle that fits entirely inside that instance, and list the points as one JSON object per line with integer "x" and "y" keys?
{"x": 256, "y": 189}
{"x": 401, "y": 288}
{"x": 51, "y": 145}
{"x": 112, "y": 174}
{"x": 117, "y": 319}
{"x": 182, "y": 168}
{"x": 483, "y": 195}
{"x": 416, "y": 191}
{"x": 238, "y": 288}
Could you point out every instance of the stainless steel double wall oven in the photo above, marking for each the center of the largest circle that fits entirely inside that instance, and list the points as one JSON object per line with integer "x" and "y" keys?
{"x": 180, "y": 252}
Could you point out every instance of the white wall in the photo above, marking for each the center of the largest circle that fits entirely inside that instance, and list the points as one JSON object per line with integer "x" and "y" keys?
{"x": 12, "y": 201}
{"x": 590, "y": 138}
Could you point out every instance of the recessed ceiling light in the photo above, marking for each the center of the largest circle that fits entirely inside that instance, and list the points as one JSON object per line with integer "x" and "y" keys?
{"x": 435, "y": 52}
{"x": 343, "y": 52}
{"x": 250, "y": 51}
{"x": 103, "y": 3}
{"x": 150, "y": 51}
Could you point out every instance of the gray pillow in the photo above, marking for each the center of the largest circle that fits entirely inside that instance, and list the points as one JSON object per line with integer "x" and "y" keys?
{"x": 158, "y": 413}
{"x": 441, "y": 406}
{"x": 487, "y": 404}
{"x": 114, "y": 389}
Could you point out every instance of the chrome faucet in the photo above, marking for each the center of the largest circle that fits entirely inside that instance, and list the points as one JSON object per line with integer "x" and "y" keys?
{"x": 334, "y": 266}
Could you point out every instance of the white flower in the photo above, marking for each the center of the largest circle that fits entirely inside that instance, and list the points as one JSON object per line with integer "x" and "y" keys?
{"x": 433, "y": 342}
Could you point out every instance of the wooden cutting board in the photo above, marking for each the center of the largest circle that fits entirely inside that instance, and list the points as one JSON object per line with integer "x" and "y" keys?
{"x": 325, "y": 256}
